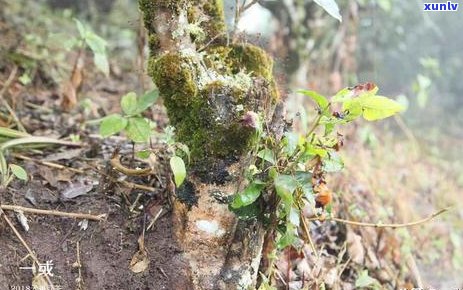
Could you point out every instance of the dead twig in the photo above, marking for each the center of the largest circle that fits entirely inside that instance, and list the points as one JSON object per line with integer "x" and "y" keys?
{"x": 100, "y": 217}
{"x": 47, "y": 163}
{"x": 151, "y": 224}
{"x": 307, "y": 235}
{"x": 380, "y": 225}
{"x": 78, "y": 265}
{"x": 137, "y": 199}
{"x": 125, "y": 183}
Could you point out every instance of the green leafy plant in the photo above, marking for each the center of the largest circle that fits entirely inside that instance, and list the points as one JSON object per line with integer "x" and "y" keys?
{"x": 179, "y": 152}
{"x": 13, "y": 139}
{"x": 286, "y": 179}
{"x": 96, "y": 44}
{"x": 9, "y": 171}
{"x": 137, "y": 128}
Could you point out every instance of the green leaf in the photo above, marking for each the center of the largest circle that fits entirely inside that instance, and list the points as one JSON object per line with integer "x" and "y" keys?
{"x": 129, "y": 103}
{"x": 303, "y": 177}
{"x": 32, "y": 140}
{"x": 18, "y": 171}
{"x": 101, "y": 63}
{"x": 143, "y": 154}
{"x": 331, "y": 7}
{"x": 112, "y": 124}
{"x": 249, "y": 195}
{"x": 246, "y": 212}
{"x": 138, "y": 129}
{"x": 293, "y": 216}
{"x": 291, "y": 141}
{"x": 307, "y": 190}
{"x": 333, "y": 163}
{"x": 267, "y": 155}
{"x": 378, "y": 107}
{"x": 320, "y": 100}
{"x": 386, "y": 5}
{"x": 287, "y": 239}
{"x": 178, "y": 169}
{"x": 12, "y": 133}
{"x": 364, "y": 280}
{"x": 329, "y": 128}
{"x": 96, "y": 43}
{"x": 285, "y": 186}
{"x": 352, "y": 108}
{"x": 25, "y": 79}
{"x": 184, "y": 148}
{"x": 343, "y": 95}
{"x": 81, "y": 28}
{"x": 315, "y": 150}
{"x": 147, "y": 100}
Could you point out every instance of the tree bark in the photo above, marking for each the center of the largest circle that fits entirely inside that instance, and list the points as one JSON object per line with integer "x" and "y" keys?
{"x": 213, "y": 98}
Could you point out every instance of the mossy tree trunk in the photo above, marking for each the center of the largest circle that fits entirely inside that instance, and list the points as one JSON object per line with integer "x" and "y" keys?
{"x": 215, "y": 94}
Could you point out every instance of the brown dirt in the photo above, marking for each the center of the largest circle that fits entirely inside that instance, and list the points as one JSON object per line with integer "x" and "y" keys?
{"x": 106, "y": 248}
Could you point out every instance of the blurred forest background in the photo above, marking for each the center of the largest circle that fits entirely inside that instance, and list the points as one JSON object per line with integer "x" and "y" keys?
{"x": 396, "y": 171}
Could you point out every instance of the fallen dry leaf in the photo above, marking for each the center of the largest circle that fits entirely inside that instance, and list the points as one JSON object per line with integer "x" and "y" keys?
{"x": 66, "y": 155}
{"x": 140, "y": 260}
{"x": 354, "y": 247}
{"x": 70, "y": 87}
{"x": 69, "y": 93}
{"x": 76, "y": 189}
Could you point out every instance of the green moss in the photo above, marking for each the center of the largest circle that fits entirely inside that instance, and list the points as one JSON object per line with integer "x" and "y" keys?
{"x": 174, "y": 77}
{"x": 153, "y": 43}
{"x": 211, "y": 127}
{"x": 244, "y": 57}
{"x": 253, "y": 59}
{"x": 208, "y": 118}
{"x": 214, "y": 26}
{"x": 214, "y": 9}
{"x": 206, "y": 105}
{"x": 148, "y": 7}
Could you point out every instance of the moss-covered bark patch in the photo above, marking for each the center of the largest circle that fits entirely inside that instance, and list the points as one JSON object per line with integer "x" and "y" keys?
{"x": 208, "y": 93}
{"x": 206, "y": 98}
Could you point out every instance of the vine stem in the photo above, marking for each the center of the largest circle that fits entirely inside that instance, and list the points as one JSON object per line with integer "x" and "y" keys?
{"x": 315, "y": 125}
{"x": 380, "y": 225}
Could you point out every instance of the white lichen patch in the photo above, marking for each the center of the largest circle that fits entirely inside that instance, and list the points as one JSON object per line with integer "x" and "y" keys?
{"x": 210, "y": 227}
{"x": 205, "y": 76}
{"x": 195, "y": 30}
{"x": 182, "y": 26}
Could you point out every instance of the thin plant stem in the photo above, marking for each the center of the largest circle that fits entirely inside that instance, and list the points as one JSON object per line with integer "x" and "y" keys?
{"x": 380, "y": 225}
